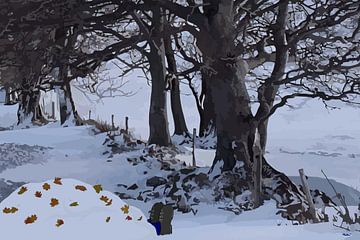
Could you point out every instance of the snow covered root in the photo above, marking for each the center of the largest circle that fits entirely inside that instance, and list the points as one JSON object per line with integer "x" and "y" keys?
{"x": 71, "y": 210}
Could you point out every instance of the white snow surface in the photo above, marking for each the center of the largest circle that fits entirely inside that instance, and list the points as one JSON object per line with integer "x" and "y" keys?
{"x": 87, "y": 220}
{"x": 309, "y": 137}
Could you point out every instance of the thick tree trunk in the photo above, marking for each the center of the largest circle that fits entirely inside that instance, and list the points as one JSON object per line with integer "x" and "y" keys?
{"x": 158, "y": 122}
{"x": 176, "y": 106}
{"x": 234, "y": 127}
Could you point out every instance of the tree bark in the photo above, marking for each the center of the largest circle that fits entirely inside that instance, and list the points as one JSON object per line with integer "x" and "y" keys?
{"x": 176, "y": 106}
{"x": 7, "y": 96}
{"x": 158, "y": 122}
{"x": 207, "y": 116}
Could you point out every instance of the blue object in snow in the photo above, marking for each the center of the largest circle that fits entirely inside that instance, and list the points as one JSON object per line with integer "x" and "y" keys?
{"x": 157, "y": 226}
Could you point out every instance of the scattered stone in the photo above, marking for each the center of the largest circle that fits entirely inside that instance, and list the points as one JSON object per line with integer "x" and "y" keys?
{"x": 155, "y": 181}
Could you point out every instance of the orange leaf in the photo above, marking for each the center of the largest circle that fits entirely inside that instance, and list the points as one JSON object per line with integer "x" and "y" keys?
{"x": 22, "y": 190}
{"x": 58, "y": 181}
{"x": 10, "y": 210}
{"x": 30, "y": 219}
{"x": 128, "y": 218}
{"x": 59, "y": 222}
{"x": 109, "y": 202}
{"x": 98, "y": 188}
{"x": 38, "y": 194}
{"x": 104, "y": 198}
{"x": 54, "y": 202}
{"x": 81, "y": 188}
{"x": 125, "y": 209}
{"x": 46, "y": 186}
{"x": 140, "y": 218}
{"x": 108, "y": 219}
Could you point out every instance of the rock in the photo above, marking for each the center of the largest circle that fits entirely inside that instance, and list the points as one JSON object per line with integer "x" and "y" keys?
{"x": 133, "y": 187}
{"x": 186, "y": 171}
{"x": 155, "y": 181}
{"x": 201, "y": 179}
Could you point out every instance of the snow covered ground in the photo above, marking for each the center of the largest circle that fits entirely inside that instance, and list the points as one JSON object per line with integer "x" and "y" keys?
{"x": 310, "y": 137}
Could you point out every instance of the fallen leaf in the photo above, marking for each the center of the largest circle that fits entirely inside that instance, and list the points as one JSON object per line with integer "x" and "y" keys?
{"x": 22, "y": 190}
{"x": 125, "y": 209}
{"x": 108, "y": 219}
{"x": 30, "y": 219}
{"x": 104, "y": 198}
{"x": 46, "y": 186}
{"x": 109, "y": 202}
{"x": 58, "y": 181}
{"x": 80, "y": 187}
{"x": 38, "y": 194}
{"x": 10, "y": 210}
{"x": 74, "y": 204}
{"x": 59, "y": 222}
{"x": 54, "y": 202}
{"x": 98, "y": 188}
{"x": 128, "y": 218}
{"x": 140, "y": 218}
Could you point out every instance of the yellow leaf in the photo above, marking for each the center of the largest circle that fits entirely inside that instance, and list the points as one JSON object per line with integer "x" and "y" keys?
{"x": 10, "y": 210}
{"x": 46, "y": 186}
{"x": 125, "y": 209}
{"x": 98, "y": 188}
{"x": 74, "y": 204}
{"x": 30, "y": 219}
{"x": 22, "y": 190}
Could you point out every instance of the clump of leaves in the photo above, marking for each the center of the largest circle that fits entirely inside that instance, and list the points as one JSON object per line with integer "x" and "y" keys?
{"x": 58, "y": 181}
{"x": 46, "y": 186}
{"x": 10, "y": 210}
{"x": 38, "y": 194}
{"x": 31, "y": 219}
{"x": 74, "y": 204}
{"x": 59, "y": 222}
{"x": 80, "y": 188}
{"x": 98, "y": 188}
{"x": 22, "y": 190}
{"x": 125, "y": 209}
{"x": 54, "y": 202}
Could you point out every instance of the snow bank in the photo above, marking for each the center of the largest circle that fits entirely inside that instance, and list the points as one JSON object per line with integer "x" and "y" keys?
{"x": 68, "y": 209}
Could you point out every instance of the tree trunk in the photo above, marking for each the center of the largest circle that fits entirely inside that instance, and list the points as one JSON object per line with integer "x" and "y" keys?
{"x": 7, "y": 96}
{"x": 29, "y": 110}
{"x": 68, "y": 112}
{"x": 158, "y": 122}
{"x": 176, "y": 107}
{"x": 207, "y": 117}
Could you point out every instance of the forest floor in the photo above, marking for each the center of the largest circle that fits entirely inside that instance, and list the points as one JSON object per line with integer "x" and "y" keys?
{"x": 41, "y": 153}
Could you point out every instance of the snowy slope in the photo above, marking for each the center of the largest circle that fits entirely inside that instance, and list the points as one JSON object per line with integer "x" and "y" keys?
{"x": 70, "y": 209}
